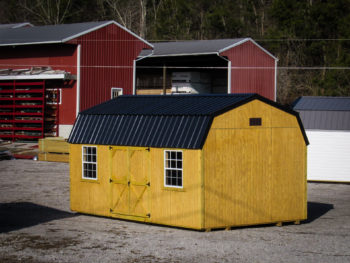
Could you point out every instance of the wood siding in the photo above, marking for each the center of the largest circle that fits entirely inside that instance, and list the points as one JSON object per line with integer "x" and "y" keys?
{"x": 254, "y": 174}
{"x": 139, "y": 166}
{"x": 253, "y": 70}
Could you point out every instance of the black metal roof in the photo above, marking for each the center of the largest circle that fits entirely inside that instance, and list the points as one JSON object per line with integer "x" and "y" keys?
{"x": 322, "y": 103}
{"x": 174, "y": 121}
{"x": 195, "y": 47}
{"x": 167, "y": 105}
{"x": 51, "y": 33}
{"x": 324, "y": 113}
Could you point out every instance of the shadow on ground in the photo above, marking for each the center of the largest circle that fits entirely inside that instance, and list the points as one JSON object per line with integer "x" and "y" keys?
{"x": 14, "y": 216}
{"x": 316, "y": 210}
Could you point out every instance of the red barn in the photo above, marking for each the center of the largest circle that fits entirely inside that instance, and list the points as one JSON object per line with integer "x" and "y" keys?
{"x": 50, "y": 73}
{"x": 208, "y": 66}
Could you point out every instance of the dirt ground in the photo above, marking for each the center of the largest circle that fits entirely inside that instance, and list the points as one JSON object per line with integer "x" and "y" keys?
{"x": 36, "y": 225}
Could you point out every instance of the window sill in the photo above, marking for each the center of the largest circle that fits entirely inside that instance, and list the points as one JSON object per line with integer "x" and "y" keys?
{"x": 96, "y": 181}
{"x": 169, "y": 188}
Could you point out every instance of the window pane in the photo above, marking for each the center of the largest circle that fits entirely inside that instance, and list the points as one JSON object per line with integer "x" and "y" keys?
{"x": 173, "y": 181}
{"x": 173, "y": 155}
{"x": 173, "y": 164}
{"x": 167, "y": 164}
{"x": 179, "y": 182}
{"x": 179, "y": 164}
{"x": 179, "y": 155}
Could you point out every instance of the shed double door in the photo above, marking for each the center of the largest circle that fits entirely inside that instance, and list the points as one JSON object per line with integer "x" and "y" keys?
{"x": 130, "y": 182}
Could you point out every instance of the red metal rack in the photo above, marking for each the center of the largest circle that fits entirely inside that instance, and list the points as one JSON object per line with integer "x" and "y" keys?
{"x": 22, "y": 110}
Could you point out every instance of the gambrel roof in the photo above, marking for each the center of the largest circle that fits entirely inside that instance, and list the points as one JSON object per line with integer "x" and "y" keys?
{"x": 174, "y": 121}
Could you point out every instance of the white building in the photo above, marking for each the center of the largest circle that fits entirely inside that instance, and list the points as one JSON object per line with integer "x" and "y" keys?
{"x": 327, "y": 124}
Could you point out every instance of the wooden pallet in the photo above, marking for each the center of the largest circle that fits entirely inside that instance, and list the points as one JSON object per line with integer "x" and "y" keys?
{"x": 54, "y": 157}
{"x": 53, "y": 145}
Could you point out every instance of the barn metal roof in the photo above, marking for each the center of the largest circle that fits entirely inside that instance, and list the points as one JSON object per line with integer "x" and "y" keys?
{"x": 196, "y": 47}
{"x": 16, "y": 25}
{"x": 174, "y": 121}
{"x": 324, "y": 113}
{"x": 322, "y": 103}
{"x": 52, "y": 33}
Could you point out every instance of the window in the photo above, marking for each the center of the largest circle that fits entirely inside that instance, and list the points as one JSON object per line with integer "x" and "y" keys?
{"x": 89, "y": 162}
{"x": 255, "y": 121}
{"x": 173, "y": 169}
{"x": 115, "y": 92}
{"x": 53, "y": 96}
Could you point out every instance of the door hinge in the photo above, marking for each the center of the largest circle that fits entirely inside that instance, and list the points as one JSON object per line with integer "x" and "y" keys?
{"x": 148, "y": 149}
{"x": 110, "y": 147}
{"x": 148, "y": 184}
{"x": 148, "y": 215}
{"x": 111, "y": 210}
{"x": 110, "y": 180}
{"x": 128, "y": 183}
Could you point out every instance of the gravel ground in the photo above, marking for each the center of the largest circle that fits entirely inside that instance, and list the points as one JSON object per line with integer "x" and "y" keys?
{"x": 36, "y": 225}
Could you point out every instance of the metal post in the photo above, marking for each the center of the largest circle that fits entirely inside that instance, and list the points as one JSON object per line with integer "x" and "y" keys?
{"x": 164, "y": 80}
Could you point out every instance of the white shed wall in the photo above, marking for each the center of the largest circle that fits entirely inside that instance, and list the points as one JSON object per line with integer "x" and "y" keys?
{"x": 328, "y": 157}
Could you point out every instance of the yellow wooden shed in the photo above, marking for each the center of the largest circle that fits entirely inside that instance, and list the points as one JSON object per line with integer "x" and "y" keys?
{"x": 192, "y": 161}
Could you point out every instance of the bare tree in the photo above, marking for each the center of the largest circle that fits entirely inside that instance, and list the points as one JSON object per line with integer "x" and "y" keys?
{"x": 131, "y": 14}
{"x": 48, "y": 11}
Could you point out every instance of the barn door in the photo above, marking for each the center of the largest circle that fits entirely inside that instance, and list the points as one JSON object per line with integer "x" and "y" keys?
{"x": 129, "y": 182}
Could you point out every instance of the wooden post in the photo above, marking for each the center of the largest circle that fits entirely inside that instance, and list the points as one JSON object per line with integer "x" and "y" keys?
{"x": 164, "y": 80}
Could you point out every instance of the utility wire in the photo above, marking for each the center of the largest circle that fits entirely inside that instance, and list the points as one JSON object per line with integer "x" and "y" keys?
{"x": 182, "y": 67}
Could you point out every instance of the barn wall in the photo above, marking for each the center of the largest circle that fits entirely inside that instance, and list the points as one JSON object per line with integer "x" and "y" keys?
{"x": 169, "y": 206}
{"x": 62, "y": 57}
{"x": 254, "y": 174}
{"x": 107, "y": 57}
{"x": 253, "y": 70}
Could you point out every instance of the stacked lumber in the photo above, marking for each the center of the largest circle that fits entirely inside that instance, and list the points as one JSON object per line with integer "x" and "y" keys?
{"x": 53, "y": 149}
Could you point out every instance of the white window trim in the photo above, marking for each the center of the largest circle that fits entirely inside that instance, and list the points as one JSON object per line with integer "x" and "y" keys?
{"x": 179, "y": 169}
{"x": 116, "y": 89}
{"x": 83, "y": 162}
